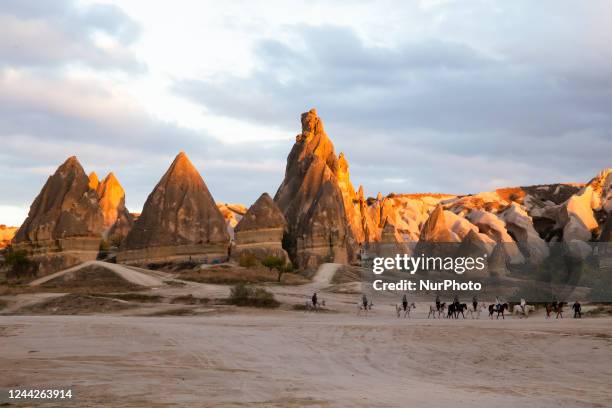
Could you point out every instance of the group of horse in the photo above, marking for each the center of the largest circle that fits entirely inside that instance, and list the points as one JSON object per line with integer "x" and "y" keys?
{"x": 454, "y": 310}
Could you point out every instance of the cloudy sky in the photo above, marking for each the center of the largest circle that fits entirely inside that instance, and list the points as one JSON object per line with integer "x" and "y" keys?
{"x": 436, "y": 96}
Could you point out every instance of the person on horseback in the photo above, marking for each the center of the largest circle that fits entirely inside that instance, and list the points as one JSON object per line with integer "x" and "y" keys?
{"x": 364, "y": 301}
{"x": 438, "y": 303}
{"x": 475, "y": 302}
{"x": 315, "y": 301}
{"x": 497, "y": 303}
{"x": 523, "y": 304}
{"x": 405, "y": 302}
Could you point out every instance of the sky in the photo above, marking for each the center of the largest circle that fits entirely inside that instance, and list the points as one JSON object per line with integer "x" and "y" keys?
{"x": 421, "y": 96}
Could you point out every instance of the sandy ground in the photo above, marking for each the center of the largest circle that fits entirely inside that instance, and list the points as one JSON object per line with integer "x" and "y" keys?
{"x": 247, "y": 357}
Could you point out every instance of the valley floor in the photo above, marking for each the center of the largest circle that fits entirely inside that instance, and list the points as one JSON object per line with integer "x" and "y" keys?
{"x": 295, "y": 359}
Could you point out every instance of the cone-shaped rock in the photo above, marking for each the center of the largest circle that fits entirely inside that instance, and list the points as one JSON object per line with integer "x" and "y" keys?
{"x": 436, "y": 229}
{"x": 65, "y": 223}
{"x": 180, "y": 219}
{"x": 318, "y": 200}
{"x": 93, "y": 181}
{"x": 117, "y": 219}
{"x": 260, "y": 231}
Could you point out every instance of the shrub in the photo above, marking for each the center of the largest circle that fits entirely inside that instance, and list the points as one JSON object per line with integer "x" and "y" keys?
{"x": 245, "y": 295}
{"x": 248, "y": 261}
{"x": 20, "y": 264}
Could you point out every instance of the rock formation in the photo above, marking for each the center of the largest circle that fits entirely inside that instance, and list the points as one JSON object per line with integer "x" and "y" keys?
{"x": 436, "y": 230}
{"x": 260, "y": 231}
{"x": 93, "y": 181}
{"x": 179, "y": 220}
{"x": 117, "y": 219}
{"x": 232, "y": 213}
{"x": 6, "y": 235}
{"x": 520, "y": 225}
{"x": 65, "y": 222}
{"x": 318, "y": 200}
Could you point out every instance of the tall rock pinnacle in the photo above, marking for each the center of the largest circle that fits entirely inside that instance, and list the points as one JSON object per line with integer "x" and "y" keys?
{"x": 318, "y": 200}
{"x": 179, "y": 218}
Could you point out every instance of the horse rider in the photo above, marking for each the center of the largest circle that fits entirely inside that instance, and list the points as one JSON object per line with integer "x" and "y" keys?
{"x": 475, "y": 302}
{"x": 456, "y": 300}
{"x": 497, "y": 303}
{"x": 315, "y": 301}
{"x": 577, "y": 307}
{"x": 364, "y": 301}
{"x": 405, "y": 302}
{"x": 523, "y": 304}
{"x": 438, "y": 303}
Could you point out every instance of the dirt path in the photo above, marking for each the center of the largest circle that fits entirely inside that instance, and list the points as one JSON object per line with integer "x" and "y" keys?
{"x": 126, "y": 273}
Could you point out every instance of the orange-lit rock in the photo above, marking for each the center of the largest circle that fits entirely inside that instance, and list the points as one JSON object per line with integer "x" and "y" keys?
{"x": 6, "y": 235}
{"x": 117, "y": 219}
{"x": 232, "y": 213}
{"x": 93, "y": 181}
{"x": 65, "y": 222}
{"x": 179, "y": 220}
{"x": 318, "y": 200}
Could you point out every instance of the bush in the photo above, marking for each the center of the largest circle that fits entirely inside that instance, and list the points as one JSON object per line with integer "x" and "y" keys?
{"x": 20, "y": 264}
{"x": 245, "y": 295}
{"x": 248, "y": 261}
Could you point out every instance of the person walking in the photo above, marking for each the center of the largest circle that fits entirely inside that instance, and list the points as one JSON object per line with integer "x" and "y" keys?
{"x": 577, "y": 307}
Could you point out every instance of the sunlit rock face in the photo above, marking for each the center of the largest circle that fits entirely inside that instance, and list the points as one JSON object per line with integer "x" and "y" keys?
{"x": 232, "y": 213}
{"x": 325, "y": 223}
{"x": 65, "y": 221}
{"x": 6, "y": 235}
{"x": 436, "y": 228}
{"x": 117, "y": 219}
{"x": 94, "y": 181}
{"x": 260, "y": 231}
{"x": 179, "y": 220}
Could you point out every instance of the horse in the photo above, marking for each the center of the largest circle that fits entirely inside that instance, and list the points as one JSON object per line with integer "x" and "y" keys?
{"x": 556, "y": 307}
{"x": 499, "y": 310}
{"x": 310, "y": 307}
{"x": 399, "y": 309}
{"x": 454, "y": 309}
{"x": 477, "y": 311}
{"x": 434, "y": 309}
{"x": 362, "y": 308}
{"x": 518, "y": 310}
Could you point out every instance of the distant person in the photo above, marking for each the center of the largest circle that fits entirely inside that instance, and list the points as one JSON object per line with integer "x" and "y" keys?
{"x": 364, "y": 301}
{"x": 315, "y": 301}
{"x": 577, "y": 308}
{"x": 523, "y": 304}
{"x": 475, "y": 302}
{"x": 456, "y": 300}
{"x": 405, "y": 302}
{"x": 438, "y": 302}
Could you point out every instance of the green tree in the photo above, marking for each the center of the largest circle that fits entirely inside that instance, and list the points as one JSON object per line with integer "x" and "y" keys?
{"x": 274, "y": 262}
